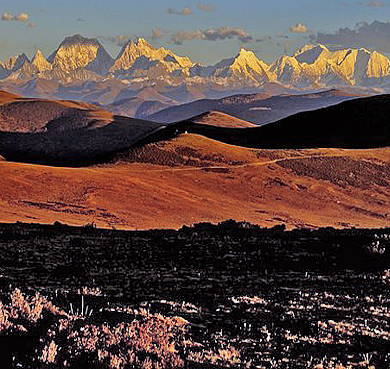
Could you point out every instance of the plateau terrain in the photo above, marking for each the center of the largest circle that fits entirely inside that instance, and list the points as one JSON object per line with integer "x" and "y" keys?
{"x": 213, "y": 194}
{"x": 78, "y": 164}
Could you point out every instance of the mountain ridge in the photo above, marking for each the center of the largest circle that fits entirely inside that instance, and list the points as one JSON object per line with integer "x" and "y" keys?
{"x": 256, "y": 108}
{"x": 312, "y": 65}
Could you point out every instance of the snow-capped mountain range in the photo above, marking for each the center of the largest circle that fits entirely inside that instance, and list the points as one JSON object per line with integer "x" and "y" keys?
{"x": 80, "y": 60}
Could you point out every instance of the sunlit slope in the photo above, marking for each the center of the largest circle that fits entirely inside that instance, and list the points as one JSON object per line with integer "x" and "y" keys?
{"x": 218, "y": 119}
{"x": 192, "y": 179}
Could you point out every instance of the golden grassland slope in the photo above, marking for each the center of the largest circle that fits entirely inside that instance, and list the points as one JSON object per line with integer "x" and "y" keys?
{"x": 7, "y": 97}
{"x": 216, "y": 118}
{"x": 194, "y": 179}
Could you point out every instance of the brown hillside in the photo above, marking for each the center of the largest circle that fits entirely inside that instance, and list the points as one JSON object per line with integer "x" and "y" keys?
{"x": 216, "y": 118}
{"x": 32, "y": 115}
{"x": 66, "y": 133}
{"x": 6, "y": 97}
{"x": 205, "y": 181}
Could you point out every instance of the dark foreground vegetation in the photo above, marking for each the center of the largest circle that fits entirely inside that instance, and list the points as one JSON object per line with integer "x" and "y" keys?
{"x": 232, "y": 295}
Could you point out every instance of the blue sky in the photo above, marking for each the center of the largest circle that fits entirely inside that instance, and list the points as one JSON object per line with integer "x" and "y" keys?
{"x": 266, "y": 24}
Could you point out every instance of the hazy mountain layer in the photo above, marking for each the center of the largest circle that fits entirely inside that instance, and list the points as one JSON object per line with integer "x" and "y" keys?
{"x": 79, "y": 61}
{"x": 256, "y": 108}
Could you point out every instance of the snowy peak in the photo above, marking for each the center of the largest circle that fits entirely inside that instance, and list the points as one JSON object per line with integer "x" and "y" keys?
{"x": 317, "y": 65}
{"x": 309, "y": 47}
{"x": 309, "y": 54}
{"x": 140, "y": 64}
{"x": 79, "y": 40}
{"x": 142, "y": 49}
{"x": 129, "y": 53}
{"x": 40, "y": 62}
{"x": 16, "y": 62}
{"x": 77, "y": 52}
{"x": 248, "y": 59}
{"x": 245, "y": 67}
{"x": 144, "y": 45}
{"x": 378, "y": 65}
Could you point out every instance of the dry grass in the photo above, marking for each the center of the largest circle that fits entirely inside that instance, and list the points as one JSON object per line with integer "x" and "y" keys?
{"x": 31, "y": 115}
{"x": 160, "y": 190}
{"x": 142, "y": 340}
{"x": 219, "y": 119}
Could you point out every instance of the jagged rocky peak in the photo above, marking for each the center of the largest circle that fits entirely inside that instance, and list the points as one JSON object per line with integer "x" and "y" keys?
{"x": 247, "y": 62}
{"x": 378, "y": 65}
{"x": 310, "y": 53}
{"x": 16, "y": 62}
{"x": 245, "y": 66}
{"x": 143, "y": 44}
{"x": 317, "y": 65}
{"x": 84, "y": 59}
{"x": 78, "y": 39}
{"x": 39, "y": 61}
{"x": 131, "y": 51}
{"x": 247, "y": 54}
{"x": 248, "y": 58}
{"x": 77, "y": 52}
{"x": 310, "y": 47}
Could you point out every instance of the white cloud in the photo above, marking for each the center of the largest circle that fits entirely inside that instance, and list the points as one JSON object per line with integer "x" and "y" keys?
{"x": 185, "y": 11}
{"x": 179, "y": 37}
{"x": 157, "y": 33}
{"x": 119, "y": 40}
{"x": 22, "y": 17}
{"x": 374, "y": 36}
{"x": 7, "y": 16}
{"x": 205, "y": 7}
{"x": 376, "y": 4}
{"x": 298, "y": 28}
{"x": 212, "y": 34}
{"x": 264, "y": 38}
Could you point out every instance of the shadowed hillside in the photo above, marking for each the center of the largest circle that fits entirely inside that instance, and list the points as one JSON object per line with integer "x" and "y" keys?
{"x": 18, "y": 114}
{"x": 74, "y": 147}
{"x": 255, "y": 108}
{"x": 359, "y": 123}
{"x": 63, "y": 132}
{"x": 77, "y": 134}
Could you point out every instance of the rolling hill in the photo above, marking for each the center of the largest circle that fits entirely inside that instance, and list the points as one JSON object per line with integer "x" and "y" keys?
{"x": 218, "y": 119}
{"x": 79, "y": 134}
{"x": 258, "y": 108}
{"x": 193, "y": 179}
{"x": 63, "y": 132}
{"x": 358, "y": 123}
{"x": 137, "y": 107}
{"x": 147, "y": 175}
